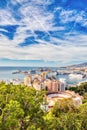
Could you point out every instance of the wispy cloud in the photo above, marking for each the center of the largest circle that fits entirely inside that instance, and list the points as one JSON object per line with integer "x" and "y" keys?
{"x": 75, "y": 16}
{"x": 45, "y": 51}
{"x": 65, "y": 44}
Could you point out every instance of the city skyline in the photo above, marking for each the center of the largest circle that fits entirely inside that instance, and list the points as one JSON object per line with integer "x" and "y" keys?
{"x": 43, "y": 32}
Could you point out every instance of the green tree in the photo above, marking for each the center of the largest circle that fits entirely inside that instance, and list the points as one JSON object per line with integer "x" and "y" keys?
{"x": 11, "y": 116}
{"x": 85, "y": 98}
{"x": 83, "y": 116}
{"x": 30, "y": 101}
{"x": 81, "y": 89}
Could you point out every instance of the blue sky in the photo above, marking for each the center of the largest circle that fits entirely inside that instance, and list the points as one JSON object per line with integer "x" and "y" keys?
{"x": 43, "y": 32}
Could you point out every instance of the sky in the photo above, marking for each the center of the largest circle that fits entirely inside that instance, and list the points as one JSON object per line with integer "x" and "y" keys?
{"x": 43, "y": 32}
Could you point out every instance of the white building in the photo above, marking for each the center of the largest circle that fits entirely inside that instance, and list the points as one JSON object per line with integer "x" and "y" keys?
{"x": 28, "y": 80}
{"x": 62, "y": 84}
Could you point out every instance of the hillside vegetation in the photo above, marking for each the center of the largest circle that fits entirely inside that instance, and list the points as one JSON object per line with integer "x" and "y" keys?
{"x": 20, "y": 109}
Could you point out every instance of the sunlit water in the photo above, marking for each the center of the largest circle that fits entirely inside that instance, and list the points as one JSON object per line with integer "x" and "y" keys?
{"x": 6, "y": 74}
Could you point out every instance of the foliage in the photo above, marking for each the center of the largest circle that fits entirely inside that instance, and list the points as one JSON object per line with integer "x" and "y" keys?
{"x": 20, "y": 109}
{"x": 81, "y": 89}
{"x": 85, "y": 98}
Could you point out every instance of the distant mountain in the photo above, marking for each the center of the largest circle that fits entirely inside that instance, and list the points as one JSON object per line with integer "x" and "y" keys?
{"x": 79, "y": 65}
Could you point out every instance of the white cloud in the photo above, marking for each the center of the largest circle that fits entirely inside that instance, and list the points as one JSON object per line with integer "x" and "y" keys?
{"x": 33, "y": 17}
{"x": 73, "y": 16}
{"x": 38, "y": 2}
{"x": 3, "y": 30}
{"x": 6, "y": 18}
{"x": 37, "y": 18}
{"x": 45, "y": 51}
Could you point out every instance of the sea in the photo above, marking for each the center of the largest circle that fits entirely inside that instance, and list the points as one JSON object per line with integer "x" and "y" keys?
{"x": 6, "y": 74}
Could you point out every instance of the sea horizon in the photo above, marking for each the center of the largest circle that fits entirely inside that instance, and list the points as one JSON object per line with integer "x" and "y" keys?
{"x": 6, "y": 73}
